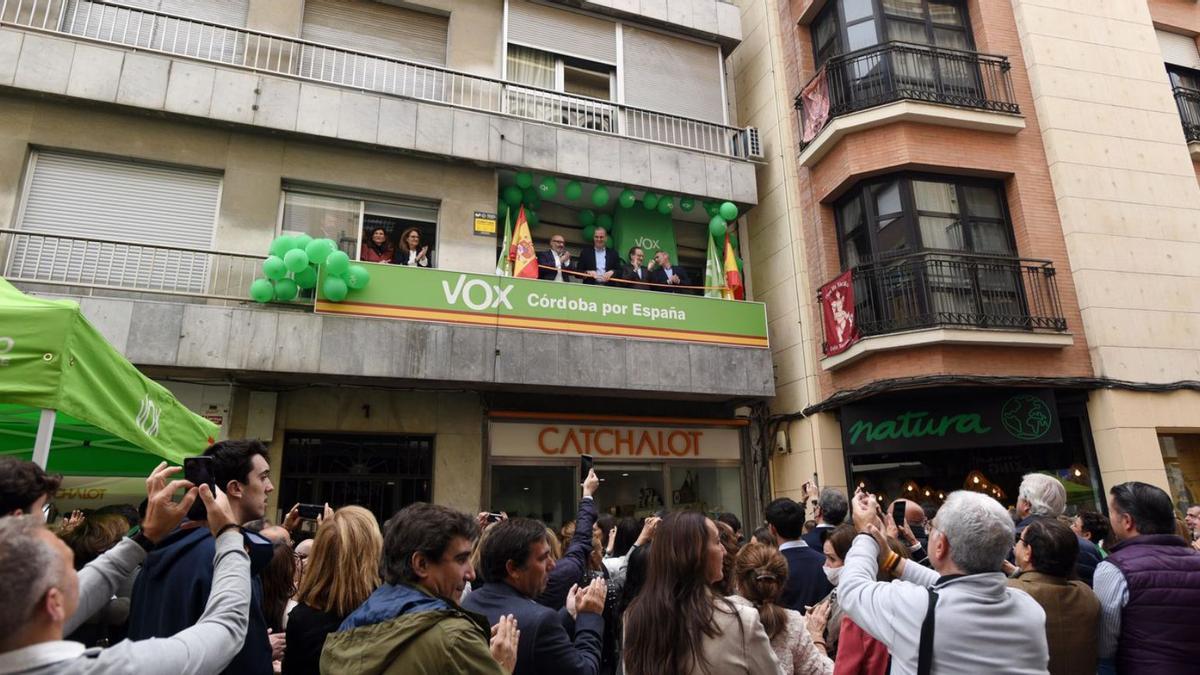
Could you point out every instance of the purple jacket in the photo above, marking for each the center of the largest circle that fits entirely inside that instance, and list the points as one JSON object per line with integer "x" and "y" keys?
{"x": 1158, "y": 623}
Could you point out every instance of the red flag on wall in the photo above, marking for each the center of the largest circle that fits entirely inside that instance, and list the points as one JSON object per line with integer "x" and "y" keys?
{"x": 837, "y": 313}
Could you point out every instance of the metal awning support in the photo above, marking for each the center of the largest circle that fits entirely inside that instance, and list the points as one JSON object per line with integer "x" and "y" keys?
{"x": 41, "y": 445}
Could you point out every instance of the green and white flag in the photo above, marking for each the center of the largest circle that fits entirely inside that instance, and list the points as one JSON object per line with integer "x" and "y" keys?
{"x": 714, "y": 275}
{"x": 503, "y": 263}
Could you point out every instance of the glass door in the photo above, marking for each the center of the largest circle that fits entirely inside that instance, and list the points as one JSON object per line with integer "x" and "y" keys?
{"x": 631, "y": 490}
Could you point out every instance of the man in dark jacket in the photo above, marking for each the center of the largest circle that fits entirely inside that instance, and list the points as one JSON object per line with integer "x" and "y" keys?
{"x": 555, "y": 260}
{"x": 1043, "y": 496}
{"x": 634, "y": 272}
{"x": 516, "y": 564}
{"x": 413, "y": 623}
{"x": 806, "y": 582}
{"x": 173, "y": 587}
{"x": 1149, "y": 587}
{"x": 598, "y": 262}
{"x": 832, "y": 507}
{"x": 669, "y": 276}
{"x": 573, "y": 564}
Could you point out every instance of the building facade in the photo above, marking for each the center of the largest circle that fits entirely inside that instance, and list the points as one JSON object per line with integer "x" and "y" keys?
{"x": 152, "y": 150}
{"x": 977, "y": 239}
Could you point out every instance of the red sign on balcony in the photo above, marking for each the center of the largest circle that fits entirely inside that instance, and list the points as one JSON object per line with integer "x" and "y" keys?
{"x": 837, "y": 314}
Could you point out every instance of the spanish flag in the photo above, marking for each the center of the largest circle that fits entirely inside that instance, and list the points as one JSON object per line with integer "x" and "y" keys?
{"x": 733, "y": 278}
{"x": 522, "y": 254}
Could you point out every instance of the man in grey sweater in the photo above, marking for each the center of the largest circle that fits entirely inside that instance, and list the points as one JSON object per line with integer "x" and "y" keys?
{"x": 979, "y": 623}
{"x": 43, "y": 598}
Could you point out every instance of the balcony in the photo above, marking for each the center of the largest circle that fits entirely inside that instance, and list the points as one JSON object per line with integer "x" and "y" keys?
{"x": 151, "y": 31}
{"x": 954, "y": 298}
{"x": 171, "y": 308}
{"x": 900, "y": 81}
{"x": 1188, "y": 102}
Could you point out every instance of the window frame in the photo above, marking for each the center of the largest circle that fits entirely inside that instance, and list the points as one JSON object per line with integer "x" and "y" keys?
{"x": 561, "y": 62}
{"x": 909, "y": 216}
{"x": 841, "y": 41}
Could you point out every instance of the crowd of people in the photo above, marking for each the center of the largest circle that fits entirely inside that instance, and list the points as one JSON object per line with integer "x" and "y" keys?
{"x": 600, "y": 264}
{"x": 831, "y": 584}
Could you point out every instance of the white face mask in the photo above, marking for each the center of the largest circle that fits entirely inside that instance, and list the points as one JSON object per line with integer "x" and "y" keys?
{"x": 833, "y": 574}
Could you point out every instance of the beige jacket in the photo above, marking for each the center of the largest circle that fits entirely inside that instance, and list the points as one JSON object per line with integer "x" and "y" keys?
{"x": 742, "y": 646}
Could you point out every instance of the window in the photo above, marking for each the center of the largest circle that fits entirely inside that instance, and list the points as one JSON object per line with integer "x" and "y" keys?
{"x": 849, "y": 25}
{"x": 381, "y": 473}
{"x": 350, "y": 220}
{"x": 1181, "y": 459}
{"x": 578, "y": 77}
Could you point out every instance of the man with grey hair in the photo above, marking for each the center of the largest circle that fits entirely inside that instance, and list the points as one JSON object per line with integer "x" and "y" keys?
{"x": 831, "y": 509}
{"x": 1043, "y": 496}
{"x": 959, "y": 617}
{"x": 43, "y": 598}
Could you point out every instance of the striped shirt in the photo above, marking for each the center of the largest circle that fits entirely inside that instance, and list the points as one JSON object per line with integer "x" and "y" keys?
{"x": 1113, "y": 591}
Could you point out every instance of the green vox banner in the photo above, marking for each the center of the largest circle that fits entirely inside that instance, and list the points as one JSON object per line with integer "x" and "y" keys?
{"x": 402, "y": 292}
{"x": 650, "y": 230}
{"x": 951, "y": 419}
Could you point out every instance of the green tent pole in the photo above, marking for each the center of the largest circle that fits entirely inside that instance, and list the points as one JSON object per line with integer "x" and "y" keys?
{"x": 41, "y": 445}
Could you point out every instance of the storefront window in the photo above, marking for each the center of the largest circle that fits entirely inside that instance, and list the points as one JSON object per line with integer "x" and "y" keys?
{"x": 1181, "y": 459}
{"x": 712, "y": 490}
{"x": 545, "y": 493}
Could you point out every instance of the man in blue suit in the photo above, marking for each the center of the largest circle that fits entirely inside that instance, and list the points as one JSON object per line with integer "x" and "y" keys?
{"x": 806, "y": 583}
{"x": 515, "y": 563}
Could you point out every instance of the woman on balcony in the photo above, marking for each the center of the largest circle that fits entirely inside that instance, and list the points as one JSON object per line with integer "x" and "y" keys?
{"x": 377, "y": 248}
{"x": 410, "y": 251}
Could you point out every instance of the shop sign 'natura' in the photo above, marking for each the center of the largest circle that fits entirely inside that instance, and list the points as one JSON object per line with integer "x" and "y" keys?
{"x": 976, "y": 418}
{"x": 402, "y": 292}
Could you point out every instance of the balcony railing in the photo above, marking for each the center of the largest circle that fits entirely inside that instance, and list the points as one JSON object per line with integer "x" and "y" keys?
{"x": 148, "y": 30}
{"x": 1188, "y": 101}
{"x": 901, "y": 71}
{"x": 102, "y": 264}
{"x": 933, "y": 289}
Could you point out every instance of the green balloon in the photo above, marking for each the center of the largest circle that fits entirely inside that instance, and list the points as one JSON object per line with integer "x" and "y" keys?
{"x": 302, "y": 241}
{"x": 627, "y": 198}
{"x": 587, "y": 217}
{"x": 650, "y": 201}
{"x": 573, "y": 190}
{"x": 604, "y": 220}
{"x": 337, "y": 264}
{"x": 728, "y": 211}
{"x": 665, "y": 205}
{"x": 273, "y": 267}
{"x": 286, "y": 290}
{"x": 711, "y": 208}
{"x": 318, "y": 250}
{"x": 334, "y": 289}
{"x": 357, "y": 277}
{"x": 600, "y": 196}
{"x": 716, "y": 227}
{"x": 531, "y": 198}
{"x": 687, "y": 204}
{"x": 524, "y": 180}
{"x": 295, "y": 260}
{"x": 532, "y": 218}
{"x": 262, "y": 290}
{"x": 589, "y": 231}
{"x": 548, "y": 187}
{"x": 501, "y": 211}
{"x": 512, "y": 195}
{"x": 306, "y": 278}
{"x": 282, "y": 245}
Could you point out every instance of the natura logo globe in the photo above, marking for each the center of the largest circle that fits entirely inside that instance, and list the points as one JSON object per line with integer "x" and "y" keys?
{"x": 1026, "y": 417}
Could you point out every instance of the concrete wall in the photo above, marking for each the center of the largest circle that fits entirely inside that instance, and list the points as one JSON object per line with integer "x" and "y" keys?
{"x": 708, "y": 19}
{"x": 1125, "y": 428}
{"x": 254, "y": 168}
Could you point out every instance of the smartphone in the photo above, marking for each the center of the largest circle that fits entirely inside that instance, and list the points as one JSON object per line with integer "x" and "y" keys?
{"x": 493, "y": 517}
{"x": 898, "y": 514}
{"x": 585, "y": 467}
{"x": 311, "y": 511}
{"x": 198, "y": 471}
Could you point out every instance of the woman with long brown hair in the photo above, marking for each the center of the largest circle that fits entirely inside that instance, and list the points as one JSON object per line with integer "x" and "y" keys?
{"x": 409, "y": 251}
{"x": 343, "y": 569}
{"x": 760, "y": 572}
{"x": 678, "y": 625}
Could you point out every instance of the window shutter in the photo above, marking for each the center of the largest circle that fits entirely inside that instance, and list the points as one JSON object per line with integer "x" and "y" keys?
{"x": 658, "y": 68}
{"x": 562, "y": 32}
{"x": 123, "y": 201}
{"x": 1179, "y": 50}
{"x": 176, "y": 35}
{"x": 378, "y": 29}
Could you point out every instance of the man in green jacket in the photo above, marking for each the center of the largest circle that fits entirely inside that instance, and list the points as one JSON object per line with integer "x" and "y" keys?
{"x": 412, "y": 624}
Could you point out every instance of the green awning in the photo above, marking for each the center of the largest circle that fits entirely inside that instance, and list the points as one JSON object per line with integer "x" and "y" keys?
{"x": 111, "y": 420}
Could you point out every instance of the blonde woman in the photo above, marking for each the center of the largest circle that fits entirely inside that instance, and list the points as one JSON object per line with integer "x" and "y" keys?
{"x": 342, "y": 570}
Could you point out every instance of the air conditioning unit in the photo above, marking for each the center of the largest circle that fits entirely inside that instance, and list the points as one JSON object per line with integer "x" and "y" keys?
{"x": 749, "y": 144}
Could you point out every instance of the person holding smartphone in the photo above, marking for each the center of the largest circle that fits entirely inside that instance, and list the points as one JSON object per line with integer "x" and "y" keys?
{"x": 569, "y": 569}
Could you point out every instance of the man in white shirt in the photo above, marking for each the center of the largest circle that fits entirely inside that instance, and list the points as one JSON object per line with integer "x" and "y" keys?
{"x": 557, "y": 257}
{"x": 599, "y": 263}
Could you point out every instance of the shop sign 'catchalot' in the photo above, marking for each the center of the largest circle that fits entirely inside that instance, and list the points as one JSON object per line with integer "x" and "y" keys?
{"x": 613, "y": 441}
{"x": 402, "y": 292}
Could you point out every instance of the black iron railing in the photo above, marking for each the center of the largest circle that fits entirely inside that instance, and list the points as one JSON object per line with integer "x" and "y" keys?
{"x": 931, "y": 289}
{"x": 898, "y": 70}
{"x": 1188, "y": 102}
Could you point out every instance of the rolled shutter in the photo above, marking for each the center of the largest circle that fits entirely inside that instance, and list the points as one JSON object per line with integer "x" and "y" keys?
{"x": 182, "y": 35}
{"x": 377, "y": 28}
{"x": 562, "y": 32}
{"x": 1179, "y": 50}
{"x": 672, "y": 75}
{"x": 122, "y": 201}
